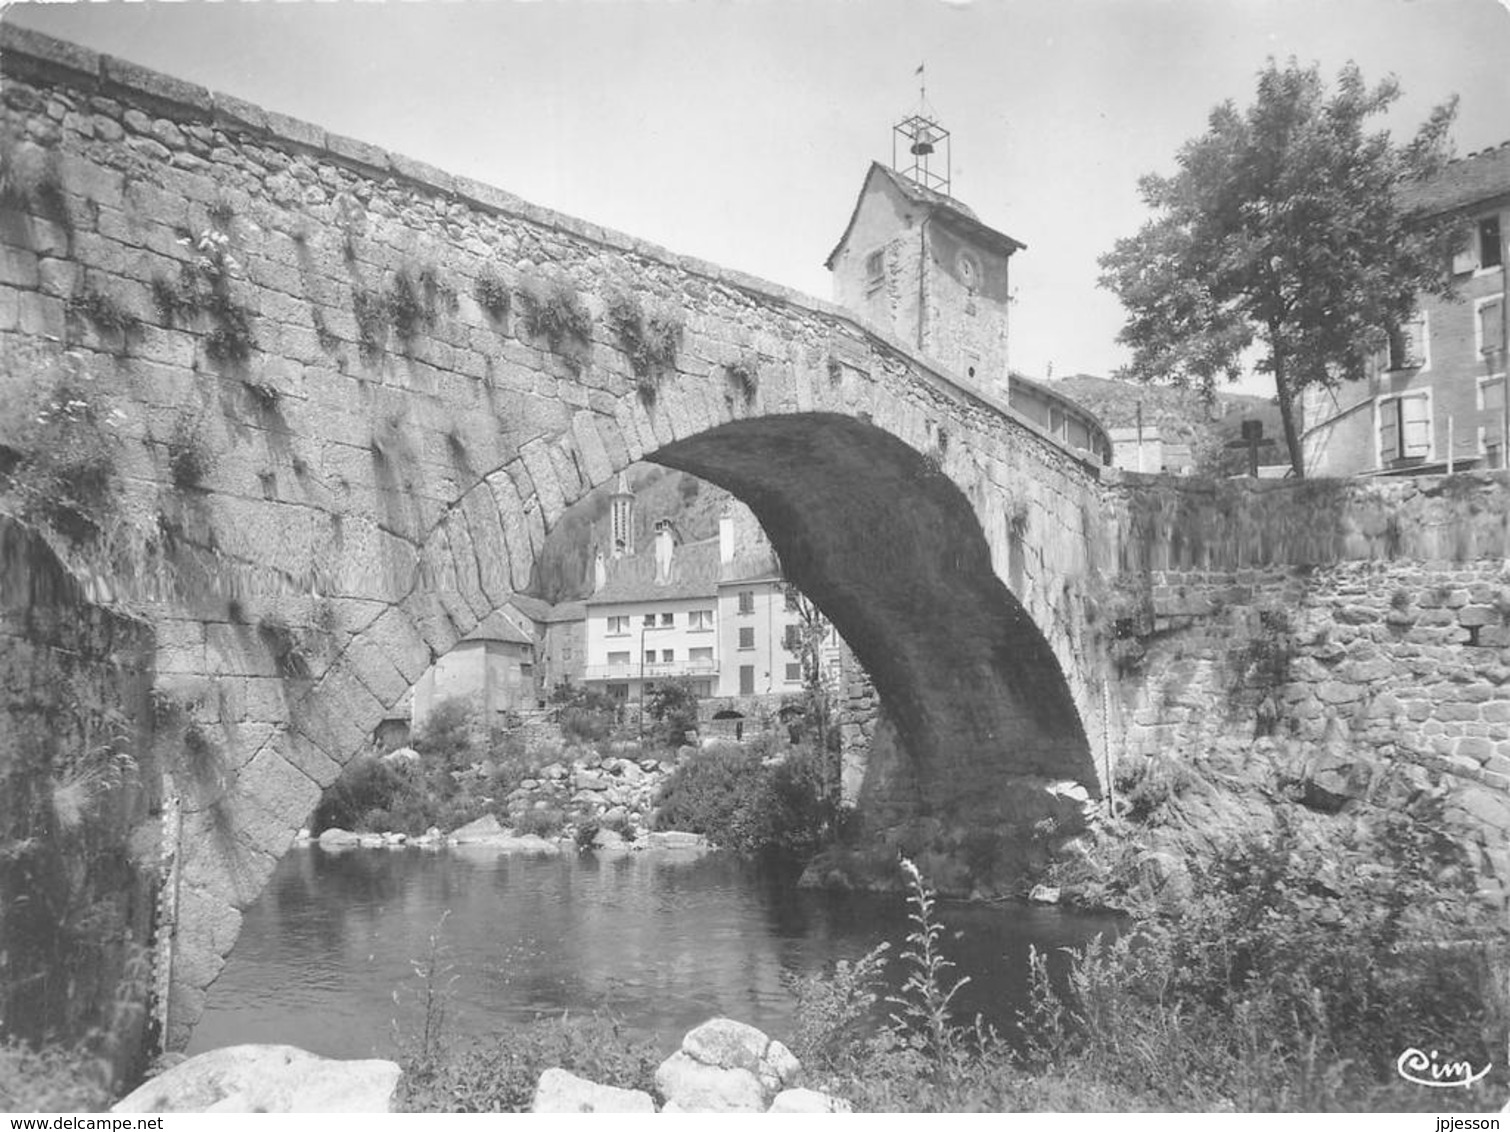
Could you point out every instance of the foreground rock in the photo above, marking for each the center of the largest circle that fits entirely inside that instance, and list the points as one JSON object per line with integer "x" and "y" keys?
{"x": 722, "y": 1066}
{"x": 257, "y": 1078}
{"x": 560, "y": 1091}
{"x": 725, "y": 1066}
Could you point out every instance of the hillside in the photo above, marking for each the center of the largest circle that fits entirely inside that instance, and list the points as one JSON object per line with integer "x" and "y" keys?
{"x": 1182, "y": 416}
{"x": 563, "y": 572}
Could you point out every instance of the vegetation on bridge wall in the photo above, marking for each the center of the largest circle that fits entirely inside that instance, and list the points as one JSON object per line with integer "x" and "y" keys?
{"x": 80, "y": 851}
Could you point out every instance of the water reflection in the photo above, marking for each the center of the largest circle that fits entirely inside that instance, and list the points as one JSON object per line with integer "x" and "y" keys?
{"x": 664, "y": 941}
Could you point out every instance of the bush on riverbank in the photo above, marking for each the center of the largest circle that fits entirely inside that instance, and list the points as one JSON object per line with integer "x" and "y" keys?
{"x": 1292, "y": 978}
{"x": 743, "y": 800}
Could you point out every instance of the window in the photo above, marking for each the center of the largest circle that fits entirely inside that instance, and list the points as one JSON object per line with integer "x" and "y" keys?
{"x": 649, "y": 621}
{"x": 616, "y": 658}
{"x": 700, "y": 657}
{"x": 1491, "y": 324}
{"x": 617, "y": 625}
{"x": 791, "y": 601}
{"x": 1404, "y": 428}
{"x": 618, "y": 691}
{"x": 793, "y": 673}
{"x": 791, "y": 640}
{"x": 700, "y": 619}
{"x": 747, "y": 601}
{"x": 668, "y": 620}
{"x": 1407, "y": 345}
{"x": 668, "y": 655}
{"x": 875, "y": 268}
{"x": 747, "y": 638}
{"x": 649, "y": 656}
{"x": 1489, "y": 242}
{"x": 746, "y": 679}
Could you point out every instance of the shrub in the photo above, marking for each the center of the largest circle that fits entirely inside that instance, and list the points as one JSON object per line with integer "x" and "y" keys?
{"x": 541, "y": 823}
{"x": 740, "y": 802}
{"x": 744, "y": 377}
{"x": 188, "y": 458}
{"x": 650, "y": 344}
{"x": 492, "y": 294}
{"x": 499, "y": 1074}
{"x": 53, "y": 1078}
{"x": 64, "y": 471}
{"x": 556, "y": 313}
{"x": 367, "y": 784}
{"x": 449, "y": 735}
{"x": 1294, "y": 977}
{"x": 672, "y": 704}
{"x": 584, "y": 715}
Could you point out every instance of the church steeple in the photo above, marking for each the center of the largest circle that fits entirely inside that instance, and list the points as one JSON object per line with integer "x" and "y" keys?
{"x": 621, "y": 519}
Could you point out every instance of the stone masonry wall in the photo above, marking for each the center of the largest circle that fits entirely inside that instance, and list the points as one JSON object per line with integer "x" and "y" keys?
{"x": 1381, "y": 655}
{"x": 80, "y": 831}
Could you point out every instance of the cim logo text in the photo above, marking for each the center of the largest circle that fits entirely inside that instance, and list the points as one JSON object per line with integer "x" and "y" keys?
{"x": 1422, "y": 1069}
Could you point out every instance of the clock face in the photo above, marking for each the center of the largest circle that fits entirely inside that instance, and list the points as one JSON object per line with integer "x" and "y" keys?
{"x": 968, "y": 267}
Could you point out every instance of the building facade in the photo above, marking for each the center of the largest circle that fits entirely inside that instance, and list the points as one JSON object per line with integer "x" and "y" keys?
{"x": 1433, "y": 398}
{"x": 921, "y": 266}
{"x": 715, "y": 612}
{"x": 491, "y": 670}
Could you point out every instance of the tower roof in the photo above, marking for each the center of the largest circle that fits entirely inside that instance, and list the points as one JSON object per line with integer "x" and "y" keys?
{"x": 954, "y": 212}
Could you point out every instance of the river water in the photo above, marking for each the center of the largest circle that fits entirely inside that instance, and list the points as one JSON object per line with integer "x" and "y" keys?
{"x": 325, "y": 959}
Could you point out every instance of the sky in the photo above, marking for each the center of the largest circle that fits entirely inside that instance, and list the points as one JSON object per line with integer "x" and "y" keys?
{"x": 739, "y": 131}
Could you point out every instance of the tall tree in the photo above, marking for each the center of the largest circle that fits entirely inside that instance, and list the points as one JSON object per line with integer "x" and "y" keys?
{"x": 1287, "y": 224}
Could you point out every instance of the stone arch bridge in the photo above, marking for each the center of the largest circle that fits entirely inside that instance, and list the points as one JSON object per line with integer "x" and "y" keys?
{"x": 344, "y": 396}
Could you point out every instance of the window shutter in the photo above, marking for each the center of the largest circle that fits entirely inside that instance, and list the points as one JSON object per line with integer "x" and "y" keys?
{"x": 1492, "y": 326}
{"x": 1415, "y": 423}
{"x": 1389, "y": 431}
{"x": 1407, "y": 346}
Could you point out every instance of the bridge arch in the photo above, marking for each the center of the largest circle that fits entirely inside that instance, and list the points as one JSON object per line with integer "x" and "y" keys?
{"x": 369, "y": 493}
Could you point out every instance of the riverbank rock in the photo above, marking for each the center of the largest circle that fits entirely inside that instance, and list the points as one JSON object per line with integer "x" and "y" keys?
{"x": 339, "y": 839}
{"x": 560, "y": 1091}
{"x": 807, "y": 1100}
{"x": 676, "y": 839}
{"x": 725, "y": 1066}
{"x": 260, "y": 1078}
{"x": 484, "y": 827}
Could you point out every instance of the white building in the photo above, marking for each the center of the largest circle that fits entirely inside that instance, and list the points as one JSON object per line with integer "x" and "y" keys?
{"x": 715, "y": 611}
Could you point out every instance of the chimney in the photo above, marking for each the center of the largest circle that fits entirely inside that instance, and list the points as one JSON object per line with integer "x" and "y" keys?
{"x": 725, "y": 539}
{"x": 665, "y": 547}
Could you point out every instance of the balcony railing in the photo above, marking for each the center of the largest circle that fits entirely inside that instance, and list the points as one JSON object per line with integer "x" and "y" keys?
{"x": 660, "y": 670}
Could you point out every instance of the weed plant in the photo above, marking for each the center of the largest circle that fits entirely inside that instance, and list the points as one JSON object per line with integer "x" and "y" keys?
{"x": 744, "y": 378}
{"x": 557, "y": 313}
{"x": 649, "y": 343}
{"x": 499, "y": 1073}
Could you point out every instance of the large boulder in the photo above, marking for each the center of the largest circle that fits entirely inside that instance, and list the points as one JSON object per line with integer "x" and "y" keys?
{"x": 339, "y": 839}
{"x": 483, "y": 828}
{"x": 560, "y": 1091}
{"x": 691, "y": 1086}
{"x": 257, "y": 1078}
{"x": 726, "y": 1066}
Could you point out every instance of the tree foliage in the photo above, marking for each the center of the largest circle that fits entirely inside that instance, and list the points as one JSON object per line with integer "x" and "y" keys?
{"x": 1285, "y": 226}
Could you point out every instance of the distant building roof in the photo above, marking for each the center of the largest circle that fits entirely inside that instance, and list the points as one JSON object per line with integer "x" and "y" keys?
{"x": 498, "y": 626}
{"x": 566, "y": 611}
{"x": 1478, "y": 177}
{"x": 949, "y": 208}
{"x": 751, "y": 566}
{"x": 536, "y": 609}
{"x": 694, "y": 573}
